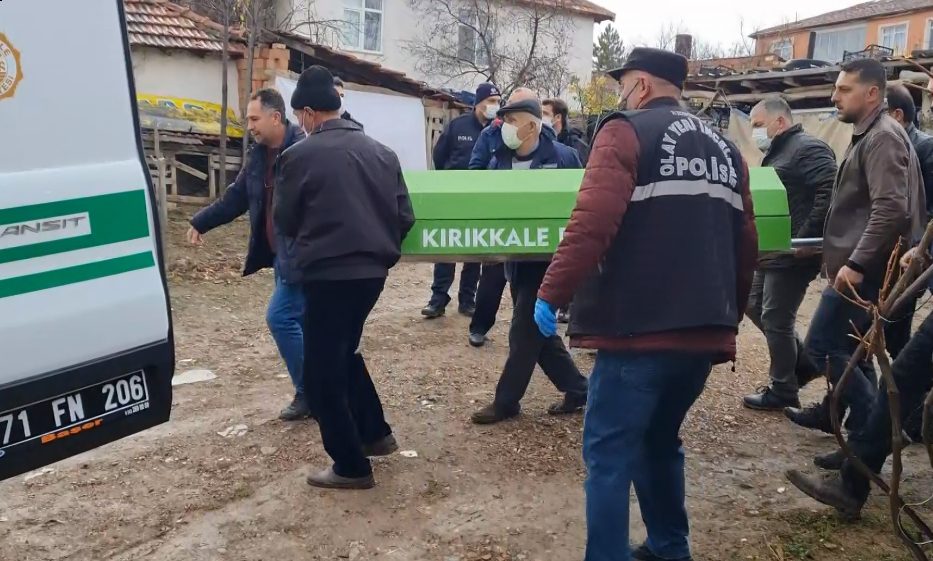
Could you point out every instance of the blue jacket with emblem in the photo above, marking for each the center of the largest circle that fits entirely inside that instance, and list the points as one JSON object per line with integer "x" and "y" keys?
{"x": 550, "y": 154}
{"x": 247, "y": 194}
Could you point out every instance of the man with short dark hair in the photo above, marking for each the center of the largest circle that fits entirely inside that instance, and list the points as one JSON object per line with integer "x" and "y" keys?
{"x": 557, "y": 114}
{"x": 253, "y": 191}
{"x": 901, "y": 107}
{"x": 453, "y": 151}
{"x": 658, "y": 323}
{"x": 343, "y": 206}
{"x": 878, "y": 198}
{"x": 344, "y": 114}
{"x": 807, "y": 168}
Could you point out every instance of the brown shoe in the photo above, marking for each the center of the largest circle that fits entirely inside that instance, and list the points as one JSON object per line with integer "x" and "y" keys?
{"x": 491, "y": 415}
{"x": 327, "y": 479}
{"x": 829, "y": 490}
{"x": 383, "y": 447}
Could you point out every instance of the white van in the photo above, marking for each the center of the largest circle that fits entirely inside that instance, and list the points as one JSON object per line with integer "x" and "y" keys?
{"x": 86, "y": 348}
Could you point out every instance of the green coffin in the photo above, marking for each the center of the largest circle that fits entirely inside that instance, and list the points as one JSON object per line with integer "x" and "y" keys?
{"x": 488, "y": 215}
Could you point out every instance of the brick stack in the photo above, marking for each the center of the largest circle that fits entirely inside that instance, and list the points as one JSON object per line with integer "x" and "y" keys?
{"x": 267, "y": 62}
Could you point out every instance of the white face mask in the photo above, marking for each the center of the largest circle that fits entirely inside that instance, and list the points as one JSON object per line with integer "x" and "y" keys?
{"x": 490, "y": 111}
{"x": 760, "y": 136}
{"x": 510, "y": 136}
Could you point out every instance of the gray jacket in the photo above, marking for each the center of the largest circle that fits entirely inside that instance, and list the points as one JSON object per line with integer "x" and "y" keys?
{"x": 878, "y": 197}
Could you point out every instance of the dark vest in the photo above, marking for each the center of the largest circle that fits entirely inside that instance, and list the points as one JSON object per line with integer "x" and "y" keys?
{"x": 672, "y": 264}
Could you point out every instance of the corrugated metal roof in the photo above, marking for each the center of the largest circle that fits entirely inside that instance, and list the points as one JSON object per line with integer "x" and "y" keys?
{"x": 863, "y": 11}
{"x": 159, "y": 23}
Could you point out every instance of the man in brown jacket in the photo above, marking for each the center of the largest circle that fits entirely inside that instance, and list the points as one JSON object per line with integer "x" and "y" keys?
{"x": 878, "y": 198}
{"x": 659, "y": 252}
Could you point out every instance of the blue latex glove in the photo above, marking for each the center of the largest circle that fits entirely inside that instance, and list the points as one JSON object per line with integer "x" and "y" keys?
{"x": 546, "y": 318}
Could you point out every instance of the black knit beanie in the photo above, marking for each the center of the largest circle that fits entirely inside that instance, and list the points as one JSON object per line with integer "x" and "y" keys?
{"x": 316, "y": 90}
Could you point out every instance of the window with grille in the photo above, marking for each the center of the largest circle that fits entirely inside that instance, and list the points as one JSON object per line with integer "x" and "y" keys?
{"x": 362, "y": 25}
{"x": 894, "y": 37}
{"x": 783, "y": 48}
{"x": 470, "y": 45}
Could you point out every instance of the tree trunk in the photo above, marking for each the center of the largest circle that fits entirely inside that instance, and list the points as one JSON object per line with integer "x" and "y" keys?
{"x": 224, "y": 88}
{"x": 251, "y": 57}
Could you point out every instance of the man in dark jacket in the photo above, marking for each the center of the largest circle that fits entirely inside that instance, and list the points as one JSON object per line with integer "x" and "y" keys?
{"x": 807, "y": 167}
{"x": 492, "y": 280}
{"x": 659, "y": 183}
{"x": 453, "y": 151}
{"x": 877, "y": 199}
{"x": 901, "y": 107}
{"x": 526, "y": 148}
{"x": 253, "y": 191}
{"x": 343, "y": 208}
{"x": 557, "y": 113}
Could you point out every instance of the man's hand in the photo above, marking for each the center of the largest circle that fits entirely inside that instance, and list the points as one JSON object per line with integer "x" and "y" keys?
{"x": 845, "y": 277}
{"x": 908, "y": 257}
{"x": 546, "y": 318}
{"x": 194, "y": 237}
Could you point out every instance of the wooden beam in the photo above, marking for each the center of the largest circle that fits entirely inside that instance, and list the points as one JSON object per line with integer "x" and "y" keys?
{"x": 190, "y": 170}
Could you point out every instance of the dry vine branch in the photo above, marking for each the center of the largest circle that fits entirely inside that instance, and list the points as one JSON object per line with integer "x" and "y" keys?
{"x": 890, "y": 301}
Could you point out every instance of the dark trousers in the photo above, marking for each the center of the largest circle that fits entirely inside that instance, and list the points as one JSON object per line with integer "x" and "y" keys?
{"x": 913, "y": 374}
{"x": 444, "y": 279}
{"x": 829, "y": 341}
{"x": 528, "y": 347}
{"x": 336, "y": 380}
{"x": 772, "y": 306}
{"x": 897, "y": 330}
{"x": 488, "y": 297}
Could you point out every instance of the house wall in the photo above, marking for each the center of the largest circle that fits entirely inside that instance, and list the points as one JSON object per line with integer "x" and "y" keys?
{"x": 401, "y": 24}
{"x": 917, "y": 33}
{"x": 184, "y": 74}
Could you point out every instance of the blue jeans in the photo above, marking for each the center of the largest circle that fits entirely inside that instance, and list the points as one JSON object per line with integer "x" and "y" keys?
{"x": 285, "y": 317}
{"x": 829, "y": 342}
{"x": 637, "y": 403}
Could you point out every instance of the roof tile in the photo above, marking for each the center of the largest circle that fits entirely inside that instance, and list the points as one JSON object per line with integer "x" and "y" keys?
{"x": 865, "y": 10}
{"x": 159, "y": 23}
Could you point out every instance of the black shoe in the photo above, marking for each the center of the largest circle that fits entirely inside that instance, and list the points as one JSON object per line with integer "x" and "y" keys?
{"x": 642, "y": 553}
{"x": 491, "y": 415}
{"x": 477, "y": 339}
{"x": 829, "y": 490}
{"x": 382, "y": 447}
{"x": 327, "y": 479}
{"x": 767, "y": 400}
{"x": 467, "y": 310}
{"x": 571, "y": 404}
{"x": 815, "y": 417}
{"x": 433, "y": 311}
{"x": 297, "y": 410}
{"x": 832, "y": 461}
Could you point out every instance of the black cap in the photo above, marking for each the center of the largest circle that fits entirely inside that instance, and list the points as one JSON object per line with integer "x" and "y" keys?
{"x": 316, "y": 90}
{"x": 525, "y": 106}
{"x": 662, "y": 64}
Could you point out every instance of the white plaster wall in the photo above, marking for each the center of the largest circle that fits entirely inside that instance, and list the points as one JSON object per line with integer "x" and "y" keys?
{"x": 186, "y": 74}
{"x": 400, "y": 24}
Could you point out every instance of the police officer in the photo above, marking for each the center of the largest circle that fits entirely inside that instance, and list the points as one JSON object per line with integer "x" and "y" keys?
{"x": 659, "y": 256}
{"x": 453, "y": 151}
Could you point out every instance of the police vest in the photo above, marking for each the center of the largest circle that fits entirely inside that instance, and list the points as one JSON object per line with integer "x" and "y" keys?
{"x": 673, "y": 262}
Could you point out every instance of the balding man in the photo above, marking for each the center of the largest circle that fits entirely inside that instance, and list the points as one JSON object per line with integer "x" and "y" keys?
{"x": 807, "y": 167}
{"x": 659, "y": 252}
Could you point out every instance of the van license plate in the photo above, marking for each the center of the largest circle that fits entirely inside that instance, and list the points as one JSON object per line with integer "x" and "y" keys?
{"x": 70, "y": 414}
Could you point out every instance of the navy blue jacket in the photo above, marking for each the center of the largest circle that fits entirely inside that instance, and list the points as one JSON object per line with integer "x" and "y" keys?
{"x": 247, "y": 193}
{"x": 455, "y": 145}
{"x": 550, "y": 154}
{"x": 490, "y": 142}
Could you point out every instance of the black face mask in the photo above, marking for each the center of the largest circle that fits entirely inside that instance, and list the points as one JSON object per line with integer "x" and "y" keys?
{"x": 623, "y": 103}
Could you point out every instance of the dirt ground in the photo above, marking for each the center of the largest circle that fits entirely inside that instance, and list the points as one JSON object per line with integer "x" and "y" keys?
{"x": 512, "y": 492}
